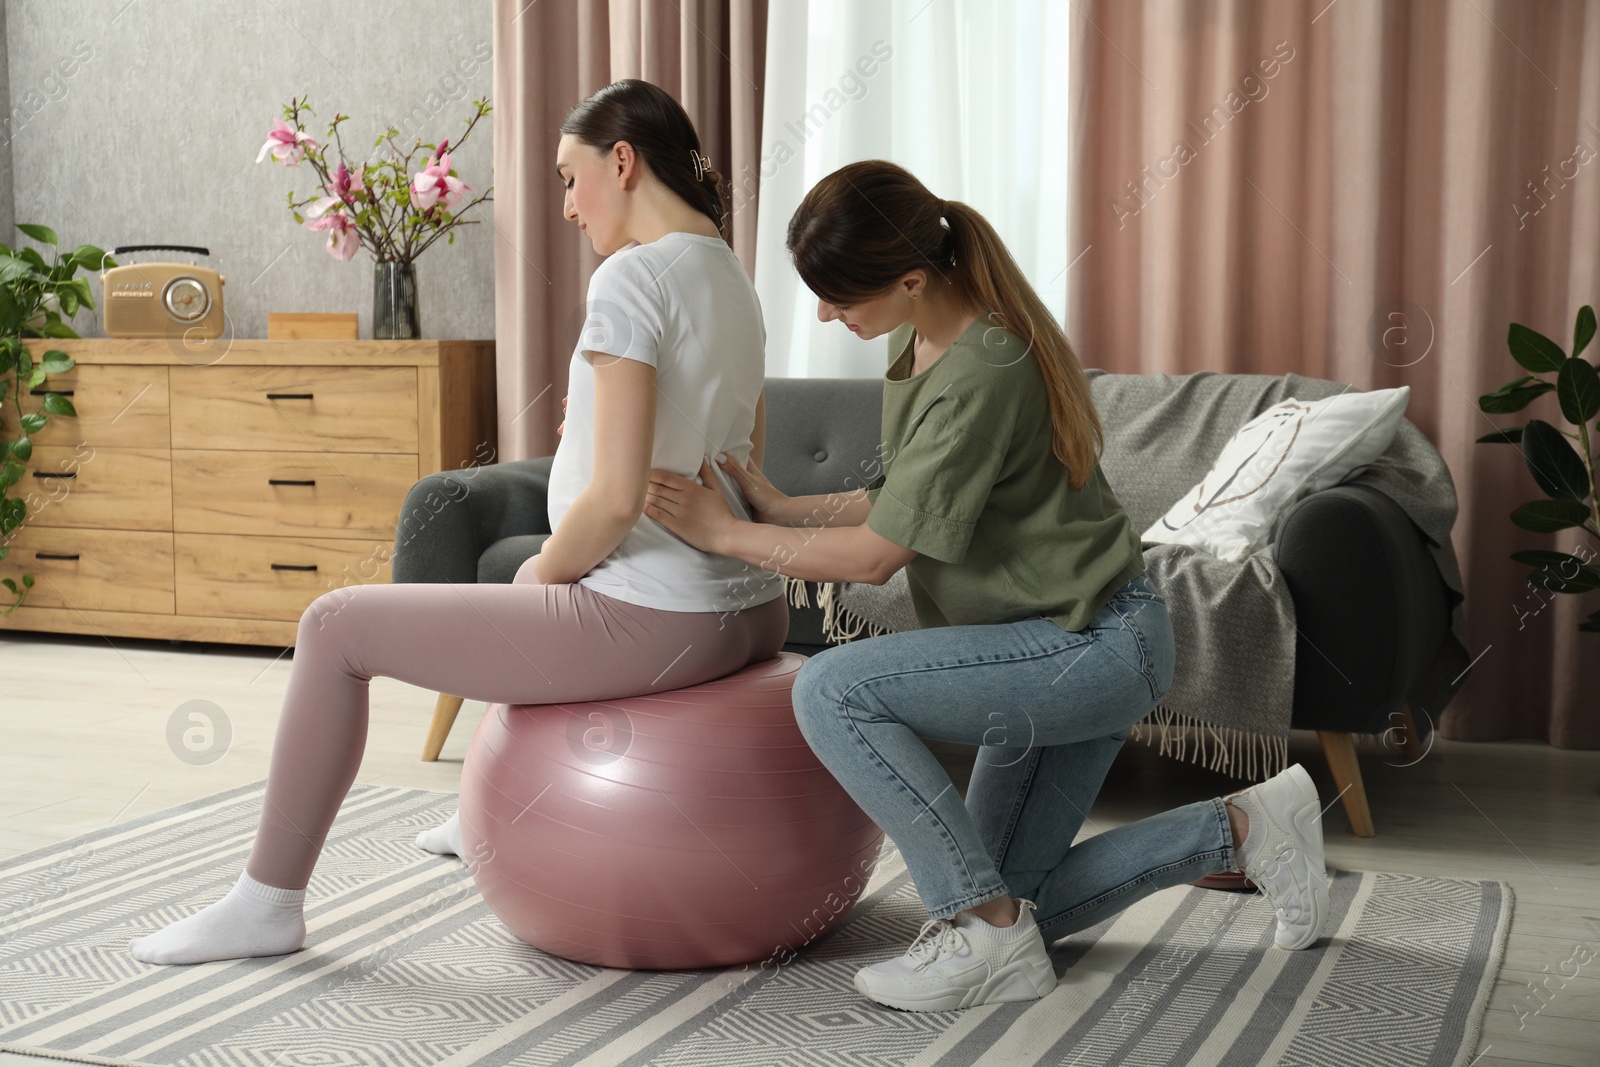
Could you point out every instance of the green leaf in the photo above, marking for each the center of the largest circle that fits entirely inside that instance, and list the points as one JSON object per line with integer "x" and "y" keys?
{"x": 1578, "y": 388}
{"x": 10, "y": 471}
{"x": 1548, "y": 516}
{"x": 1544, "y": 557}
{"x": 1583, "y": 330}
{"x": 22, "y": 449}
{"x": 1585, "y": 579}
{"x": 42, "y": 234}
{"x": 56, "y": 404}
{"x": 1514, "y": 396}
{"x": 58, "y": 329}
{"x": 1553, "y": 462}
{"x": 1592, "y": 625}
{"x": 90, "y": 258}
{"x": 9, "y": 584}
{"x": 14, "y": 268}
{"x": 55, "y": 361}
{"x": 1533, "y": 349}
{"x": 36, "y": 379}
{"x": 1510, "y": 436}
{"x": 33, "y": 422}
{"x": 85, "y": 294}
{"x": 69, "y": 305}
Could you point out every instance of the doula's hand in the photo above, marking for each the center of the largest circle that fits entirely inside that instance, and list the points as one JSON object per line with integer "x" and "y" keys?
{"x": 696, "y": 513}
{"x": 764, "y": 497}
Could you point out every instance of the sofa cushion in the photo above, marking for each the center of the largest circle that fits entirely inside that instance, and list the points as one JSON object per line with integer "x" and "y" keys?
{"x": 1293, "y": 449}
{"x": 823, "y": 434}
{"x": 501, "y": 560}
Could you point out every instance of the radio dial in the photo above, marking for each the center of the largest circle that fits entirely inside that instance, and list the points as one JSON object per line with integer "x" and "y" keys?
{"x": 186, "y": 299}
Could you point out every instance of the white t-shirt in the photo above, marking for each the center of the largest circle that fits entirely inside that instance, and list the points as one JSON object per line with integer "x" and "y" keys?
{"x": 684, "y": 305}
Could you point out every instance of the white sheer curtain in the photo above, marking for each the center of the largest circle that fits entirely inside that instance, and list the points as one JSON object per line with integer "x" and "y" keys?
{"x": 969, "y": 95}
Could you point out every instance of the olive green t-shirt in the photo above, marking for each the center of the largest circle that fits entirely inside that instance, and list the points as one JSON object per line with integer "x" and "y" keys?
{"x": 970, "y": 482}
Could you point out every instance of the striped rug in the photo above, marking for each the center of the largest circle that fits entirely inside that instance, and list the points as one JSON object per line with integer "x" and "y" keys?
{"x": 406, "y": 966}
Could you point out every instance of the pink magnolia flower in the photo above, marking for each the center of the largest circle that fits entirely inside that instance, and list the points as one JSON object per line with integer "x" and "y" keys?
{"x": 286, "y": 144}
{"x": 345, "y": 185}
{"x": 343, "y": 240}
{"x": 435, "y": 183}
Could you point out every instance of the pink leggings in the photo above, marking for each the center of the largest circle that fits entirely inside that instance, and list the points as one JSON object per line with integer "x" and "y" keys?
{"x": 523, "y": 643}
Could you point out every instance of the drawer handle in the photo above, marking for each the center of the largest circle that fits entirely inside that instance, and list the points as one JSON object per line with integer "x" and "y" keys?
{"x": 41, "y": 390}
{"x": 291, "y": 481}
{"x": 55, "y": 555}
{"x": 288, "y": 396}
{"x": 55, "y": 474}
{"x": 294, "y": 566}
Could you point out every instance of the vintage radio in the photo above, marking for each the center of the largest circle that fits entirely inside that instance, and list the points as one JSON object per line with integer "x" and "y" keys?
{"x": 175, "y": 300}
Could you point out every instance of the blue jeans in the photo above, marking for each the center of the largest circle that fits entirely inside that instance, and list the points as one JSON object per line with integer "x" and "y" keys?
{"x": 1049, "y": 708}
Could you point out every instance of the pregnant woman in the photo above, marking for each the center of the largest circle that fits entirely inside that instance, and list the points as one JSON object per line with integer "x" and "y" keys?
{"x": 1043, "y": 639}
{"x": 669, "y": 369}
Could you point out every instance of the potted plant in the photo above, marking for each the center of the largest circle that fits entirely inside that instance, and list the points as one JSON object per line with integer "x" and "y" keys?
{"x": 1562, "y": 462}
{"x": 35, "y": 297}
{"x": 393, "y": 208}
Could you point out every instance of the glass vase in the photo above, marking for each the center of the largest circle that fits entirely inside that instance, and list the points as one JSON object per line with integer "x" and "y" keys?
{"x": 394, "y": 302}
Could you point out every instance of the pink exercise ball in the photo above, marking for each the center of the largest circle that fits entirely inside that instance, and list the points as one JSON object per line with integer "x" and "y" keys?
{"x": 690, "y": 828}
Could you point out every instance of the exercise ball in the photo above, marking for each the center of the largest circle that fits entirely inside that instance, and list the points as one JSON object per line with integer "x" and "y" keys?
{"x": 686, "y": 829}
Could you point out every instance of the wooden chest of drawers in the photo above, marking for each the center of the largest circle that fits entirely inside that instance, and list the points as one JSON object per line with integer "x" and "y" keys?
{"x": 215, "y": 502}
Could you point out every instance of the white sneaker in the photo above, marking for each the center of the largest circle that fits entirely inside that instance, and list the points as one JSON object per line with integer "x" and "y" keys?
{"x": 1283, "y": 853}
{"x": 955, "y": 964}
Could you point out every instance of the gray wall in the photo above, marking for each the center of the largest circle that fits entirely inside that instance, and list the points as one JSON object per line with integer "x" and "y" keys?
{"x": 7, "y": 215}
{"x": 138, "y": 121}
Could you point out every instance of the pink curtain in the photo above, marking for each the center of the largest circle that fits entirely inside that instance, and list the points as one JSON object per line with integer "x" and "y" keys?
{"x": 1368, "y": 191}
{"x": 710, "y": 54}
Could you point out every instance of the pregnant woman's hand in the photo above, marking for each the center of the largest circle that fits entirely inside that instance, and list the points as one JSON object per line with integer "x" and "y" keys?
{"x": 563, "y": 425}
{"x": 696, "y": 513}
{"x": 766, "y": 500}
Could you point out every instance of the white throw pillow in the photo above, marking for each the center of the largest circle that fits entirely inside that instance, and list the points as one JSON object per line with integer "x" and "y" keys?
{"x": 1286, "y": 452}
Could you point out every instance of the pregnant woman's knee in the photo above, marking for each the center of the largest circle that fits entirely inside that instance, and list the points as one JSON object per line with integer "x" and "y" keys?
{"x": 327, "y": 612}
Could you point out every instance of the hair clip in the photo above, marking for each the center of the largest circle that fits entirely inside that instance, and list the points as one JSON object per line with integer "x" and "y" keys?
{"x": 701, "y": 164}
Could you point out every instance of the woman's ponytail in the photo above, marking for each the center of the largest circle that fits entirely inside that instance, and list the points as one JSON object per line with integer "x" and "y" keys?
{"x": 985, "y": 275}
{"x": 865, "y": 226}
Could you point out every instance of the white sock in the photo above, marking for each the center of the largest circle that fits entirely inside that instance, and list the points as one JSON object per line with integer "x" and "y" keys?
{"x": 251, "y": 920}
{"x": 444, "y": 839}
{"x": 1255, "y": 833}
{"x": 1015, "y": 932}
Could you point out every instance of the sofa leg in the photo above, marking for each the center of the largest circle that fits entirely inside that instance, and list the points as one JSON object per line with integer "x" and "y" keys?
{"x": 1340, "y": 749}
{"x": 1410, "y": 737}
{"x": 444, "y": 717}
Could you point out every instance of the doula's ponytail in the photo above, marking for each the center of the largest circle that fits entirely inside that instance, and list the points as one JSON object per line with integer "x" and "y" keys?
{"x": 987, "y": 276}
{"x": 865, "y": 226}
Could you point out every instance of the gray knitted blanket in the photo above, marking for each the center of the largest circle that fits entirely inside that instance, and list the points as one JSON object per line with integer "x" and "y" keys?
{"x": 1234, "y": 623}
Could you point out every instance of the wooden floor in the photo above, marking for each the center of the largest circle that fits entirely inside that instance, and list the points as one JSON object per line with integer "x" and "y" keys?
{"x": 86, "y": 723}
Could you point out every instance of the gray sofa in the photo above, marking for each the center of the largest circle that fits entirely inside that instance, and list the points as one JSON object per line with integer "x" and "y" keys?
{"x": 1366, "y": 591}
